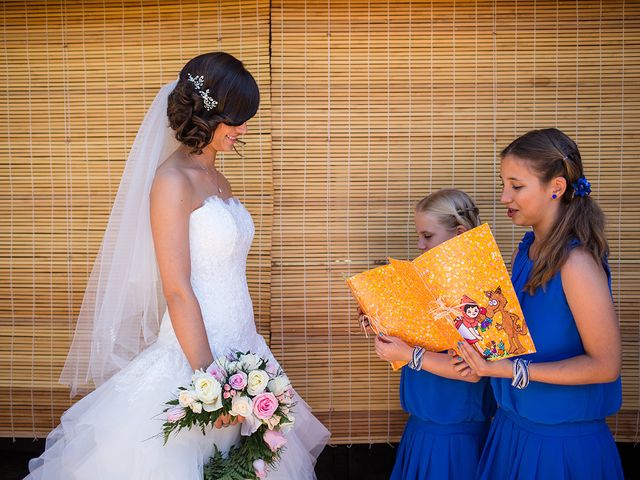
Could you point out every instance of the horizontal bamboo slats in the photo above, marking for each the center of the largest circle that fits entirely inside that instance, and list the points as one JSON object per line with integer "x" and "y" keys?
{"x": 375, "y": 104}
{"x": 78, "y": 78}
{"x": 366, "y": 107}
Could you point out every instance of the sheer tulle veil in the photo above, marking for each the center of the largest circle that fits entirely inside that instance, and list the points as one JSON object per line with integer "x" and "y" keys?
{"x": 123, "y": 302}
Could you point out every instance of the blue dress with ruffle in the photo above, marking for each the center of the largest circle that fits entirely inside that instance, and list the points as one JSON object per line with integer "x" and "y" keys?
{"x": 548, "y": 431}
{"x": 447, "y": 426}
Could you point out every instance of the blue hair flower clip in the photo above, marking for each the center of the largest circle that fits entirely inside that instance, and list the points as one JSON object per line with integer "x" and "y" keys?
{"x": 581, "y": 187}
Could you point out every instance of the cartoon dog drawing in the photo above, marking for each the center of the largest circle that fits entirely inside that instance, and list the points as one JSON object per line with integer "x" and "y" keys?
{"x": 513, "y": 329}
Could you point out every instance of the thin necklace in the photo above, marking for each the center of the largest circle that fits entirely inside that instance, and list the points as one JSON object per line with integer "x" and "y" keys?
{"x": 206, "y": 169}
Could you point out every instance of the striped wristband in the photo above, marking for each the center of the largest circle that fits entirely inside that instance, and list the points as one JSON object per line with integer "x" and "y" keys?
{"x": 416, "y": 360}
{"x": 520, "y": 373}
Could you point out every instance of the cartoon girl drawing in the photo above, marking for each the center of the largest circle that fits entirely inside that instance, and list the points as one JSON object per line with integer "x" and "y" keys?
{"x": 467, "y": 323}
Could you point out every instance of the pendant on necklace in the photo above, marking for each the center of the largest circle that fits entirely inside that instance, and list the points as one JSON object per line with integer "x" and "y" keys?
{"x": 217, "y": 182}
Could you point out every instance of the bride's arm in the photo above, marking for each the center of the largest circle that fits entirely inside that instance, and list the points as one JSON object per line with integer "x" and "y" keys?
{"x": 170, "y": 205}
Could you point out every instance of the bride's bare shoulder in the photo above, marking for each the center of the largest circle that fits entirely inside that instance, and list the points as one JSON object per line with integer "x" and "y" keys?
{"x": 174, "y": 166}
{"x": 172, "y": 182}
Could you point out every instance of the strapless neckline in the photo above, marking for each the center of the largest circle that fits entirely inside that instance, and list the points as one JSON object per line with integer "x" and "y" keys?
{"x": 232, "y": 200}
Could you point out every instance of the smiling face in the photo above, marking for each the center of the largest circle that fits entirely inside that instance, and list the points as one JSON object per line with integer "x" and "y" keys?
{"x": 472, "y": 311}
{"x": 529, "y": 202}
{"x": 431, "y": 232}
{"x": 226, "y": 136}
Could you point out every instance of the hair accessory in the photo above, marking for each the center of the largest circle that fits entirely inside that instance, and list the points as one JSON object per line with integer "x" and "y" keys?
{"x": 581, "y": 187}
{"x": 462, "y": 211}
{"x": 520, "y": 373}
{"x": 416, "y": 360}
{"x": 198, "y": 83}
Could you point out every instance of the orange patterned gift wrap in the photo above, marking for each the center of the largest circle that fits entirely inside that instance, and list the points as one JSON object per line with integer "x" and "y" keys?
{"x": 461, "y": 288}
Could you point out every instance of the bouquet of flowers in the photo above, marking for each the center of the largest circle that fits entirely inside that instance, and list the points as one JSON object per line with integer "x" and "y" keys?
{"x": 249, "y": 390}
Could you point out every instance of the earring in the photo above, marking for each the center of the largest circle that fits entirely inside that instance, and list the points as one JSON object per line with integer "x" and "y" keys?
{"x": 554, "y": 196}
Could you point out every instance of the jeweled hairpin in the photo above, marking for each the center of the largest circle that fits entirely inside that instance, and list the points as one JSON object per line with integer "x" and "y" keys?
{"x": 198, "y": 83}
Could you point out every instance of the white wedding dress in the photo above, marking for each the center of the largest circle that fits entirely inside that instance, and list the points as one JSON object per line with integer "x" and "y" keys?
{"x": 112, "y": 433}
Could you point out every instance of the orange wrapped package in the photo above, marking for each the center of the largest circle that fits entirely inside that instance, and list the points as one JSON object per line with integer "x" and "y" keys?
{"x": 458, "y": 290}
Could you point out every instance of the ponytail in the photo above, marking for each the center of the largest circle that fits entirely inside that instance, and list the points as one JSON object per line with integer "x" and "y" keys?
{"x": 550, "y": 154}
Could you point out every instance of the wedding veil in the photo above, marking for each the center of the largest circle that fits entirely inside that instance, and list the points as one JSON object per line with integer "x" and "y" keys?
{"x": 123, "y": 302}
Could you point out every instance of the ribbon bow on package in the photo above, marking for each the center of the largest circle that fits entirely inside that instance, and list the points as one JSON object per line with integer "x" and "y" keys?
{"x": 458, "y": 290}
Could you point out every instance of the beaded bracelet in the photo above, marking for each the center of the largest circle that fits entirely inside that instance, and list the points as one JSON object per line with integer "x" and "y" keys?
{"x": 416, "y": 360}
{"x": 520, "y": 373}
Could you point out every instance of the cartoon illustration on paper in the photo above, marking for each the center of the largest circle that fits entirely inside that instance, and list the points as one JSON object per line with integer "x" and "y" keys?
{"x": 510, "y": 321}
{"x": 470, "y": 321}
{"x": 460, "y": 289}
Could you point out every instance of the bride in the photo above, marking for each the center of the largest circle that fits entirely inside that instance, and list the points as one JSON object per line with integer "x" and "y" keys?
{"x": 176, "y": 244}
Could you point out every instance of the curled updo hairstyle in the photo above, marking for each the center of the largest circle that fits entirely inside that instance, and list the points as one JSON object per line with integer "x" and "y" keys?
{"x": 550, "y": 153}
{"x": 229, "y": 84}
{"x": 451, "y": 207}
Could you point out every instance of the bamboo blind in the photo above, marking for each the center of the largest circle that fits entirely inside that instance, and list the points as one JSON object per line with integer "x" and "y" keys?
{"x": 78, "y": 78}
{"x": 376, "y": 104}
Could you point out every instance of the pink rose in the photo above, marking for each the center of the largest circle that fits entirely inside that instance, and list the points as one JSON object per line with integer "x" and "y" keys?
{"x": 260, "y": 468}
{"x": 217, "y": 372}
{"x": 274, "y": 439}
{"x": 174, "y": 414}
{"x": 264, "y": 405}
{"x": 271, "y": 369}
{"x": 238, "y": 380}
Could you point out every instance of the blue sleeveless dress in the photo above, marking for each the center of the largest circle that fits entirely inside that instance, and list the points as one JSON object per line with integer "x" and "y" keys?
{"x": 447, "y": 426}
{"x": 551, "y": 431}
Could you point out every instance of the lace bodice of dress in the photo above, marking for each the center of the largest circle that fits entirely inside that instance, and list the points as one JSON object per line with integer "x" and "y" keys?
{"x": 220, "y": 235}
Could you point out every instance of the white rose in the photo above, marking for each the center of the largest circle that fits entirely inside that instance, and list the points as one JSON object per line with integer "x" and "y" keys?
{"x": 241, "y": 405}
{"x": 186, "y": 398}
{"x": 279, "y": 385}
{"x": 222, "y": 362}
{"x": 232, "y": 367}
{"x": 196, "y": 407}
{"x": 249, "y": 362}
{"x": 257, "y": 382}
{"x": 250, "y": 425}
{"x": 213, "y": 406}
{"x": 209, "y": 391}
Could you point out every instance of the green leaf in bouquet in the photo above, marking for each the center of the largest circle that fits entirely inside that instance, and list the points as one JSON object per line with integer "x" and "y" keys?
{"x": 238, "y": 465}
